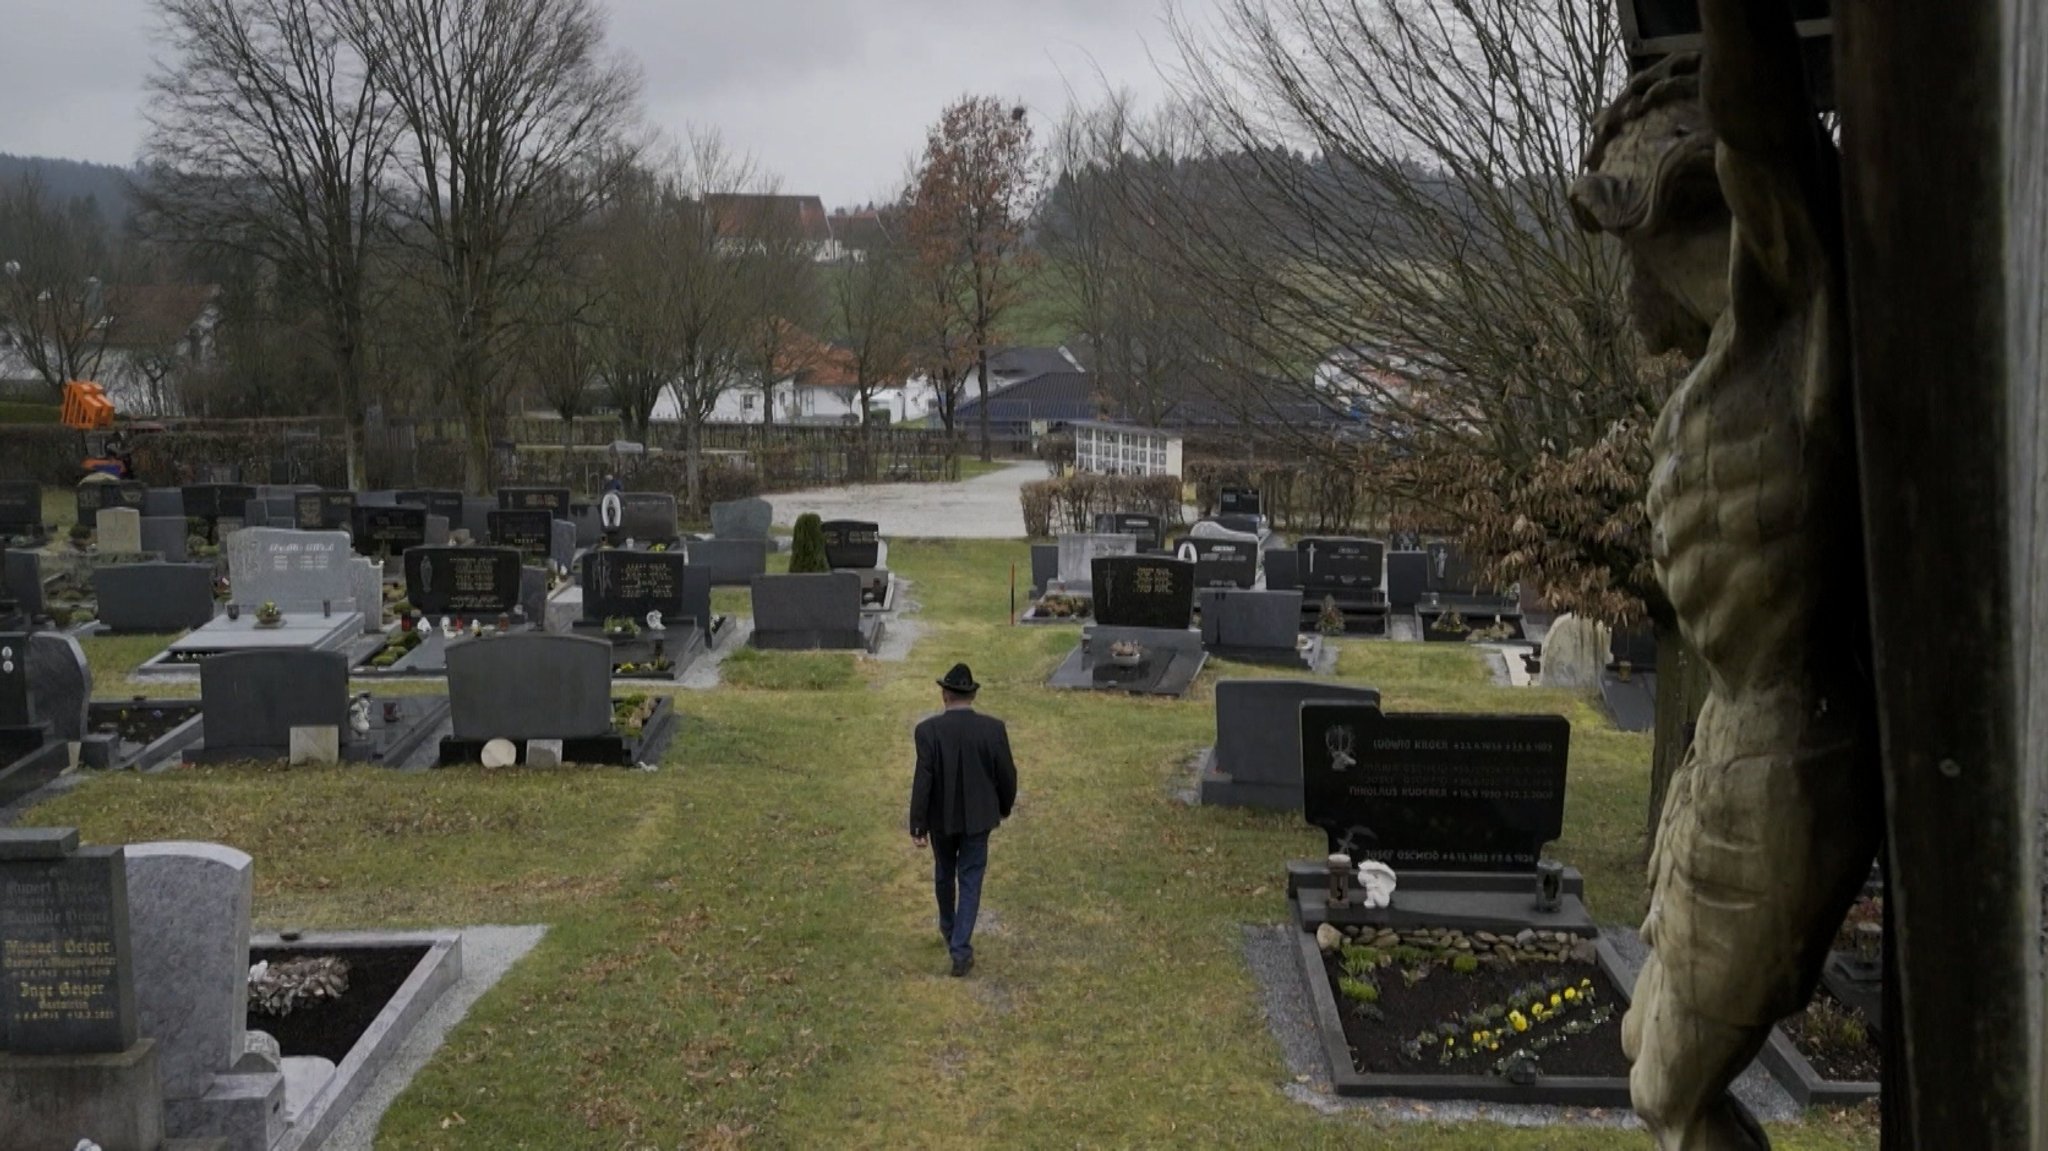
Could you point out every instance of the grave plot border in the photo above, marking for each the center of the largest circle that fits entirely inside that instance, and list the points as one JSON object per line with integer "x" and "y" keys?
{"x": 612, "y": 750}
{"x": 437, "y": 971}
{"x": 1552, "y": 1091}
{"x": 1186, "y": 645}
{"x": 30, "y": 772}
{"x": 163, "y": 751}
{"x": 1478, "y": 616}
{"x": 1797, "y": 1074}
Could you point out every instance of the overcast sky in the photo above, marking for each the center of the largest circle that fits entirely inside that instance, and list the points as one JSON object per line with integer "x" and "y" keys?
{"x": 832, "y": 95}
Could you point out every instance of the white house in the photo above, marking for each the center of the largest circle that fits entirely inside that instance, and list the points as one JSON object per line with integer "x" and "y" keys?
{"x": 147, "y": 338}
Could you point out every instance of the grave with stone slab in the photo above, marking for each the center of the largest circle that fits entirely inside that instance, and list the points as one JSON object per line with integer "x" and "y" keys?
{"x": 1261, "y": 627}
{"x": 452, "y": 594}
{"x": 1149, "y": 530}
{"x": 1256, "y": 759}
{"x": 1045, "y": 568}
{"x": 857, "y": 546}
{"x": 323, "y": 510}
{"x": 648, "y": 519}
{"x": 653, "y": 607}
{"x": 92, "y": 495}
{"x": 814, "y": 611}
{"x": 1070, "y": 596}
{"x": 326, "y": 599}
{"x": 1407, "y": 580}
{"x": 1140, "y": 641}
{"x": 296, "y": 706}
{"x": 1345, "y": 573}
{"x": 213, "y": 503}
{"x": 138, "y": 734}
{"x": 1831, "y": 1052}
{"x": 554, "y": 501}
{"x": 1436, "y": 827}
{"x": 547, "y": 700}
{"x": 387, "y": 533}
{"x": 529, "y": 530}
{"x": 44, "y": 683}
{"x": 1241, "y": 501}
{"x": 1455, "y": 609}
{"x": 1628, "y": 684}
{"x": 1222, "y": 558}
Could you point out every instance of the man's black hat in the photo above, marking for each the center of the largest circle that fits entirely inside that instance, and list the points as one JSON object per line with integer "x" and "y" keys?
{"x": 960, "y": 681}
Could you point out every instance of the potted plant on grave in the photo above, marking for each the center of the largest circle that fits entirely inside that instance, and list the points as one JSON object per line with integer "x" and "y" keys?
{"x": 620, "y": 627}
{"x": 268, "y": 614}
{"x": 81, "y": 535}
{"x": 1331, "y": 621}
{"x": 1126, "y": 653}
{"x": 1451, "y": 623}
{"x": 807, "y": 546}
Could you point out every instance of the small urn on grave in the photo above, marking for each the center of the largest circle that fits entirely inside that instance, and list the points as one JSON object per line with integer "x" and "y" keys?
{"x": 1340, "y": 881}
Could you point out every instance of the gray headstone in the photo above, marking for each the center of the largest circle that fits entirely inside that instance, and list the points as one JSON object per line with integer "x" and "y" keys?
{"x": 61, "y": 682}
{"x": 164, "y": 502}
{"x": 23, "y": 574}
{"x": 63, "y": 897}
{"x": 530, "y": 685}
{"x": 1407, "y": 579}
{"x": 256, "y": 514}
{"x": 188, "y": 916}
{"x": 1575, "y": 653}
{"x": 1258, "y": 739}
{"x": 811, "y": 610}
{"x": 743, "y": 519}
{"x": 476, "y": 516}
{"x": 119, "y": 531}
{"x": 154, "y": 597}
{"x": 729, "y": 563}
{"x": 437, "y": 531}
{"x": 1045, "y": 565}
{"x": 1250, "y": 620}
{"x": 1283, "y": 569}
{"x": 250, "y": 700}
{"x": 533, "y": 593}
{"x": 589, "y": 524}
{"x": 366, "y": 579}
{"x": 649, "y": 517}
{"x": 562, "y": 547}
{"x": 166, "y": 536}
{"x": 297, "y": 571}
{"x": 1079, "y": 551}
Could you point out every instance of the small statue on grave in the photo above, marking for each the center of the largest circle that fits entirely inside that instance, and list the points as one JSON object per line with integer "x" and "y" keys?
{"x": 1722, "y": 187}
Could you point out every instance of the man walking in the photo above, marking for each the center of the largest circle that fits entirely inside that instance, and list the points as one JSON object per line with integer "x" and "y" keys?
{"x": 966, "y": 784}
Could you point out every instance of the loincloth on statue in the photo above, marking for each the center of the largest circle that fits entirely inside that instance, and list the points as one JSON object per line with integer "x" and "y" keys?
{"x": 1766, "y": 833}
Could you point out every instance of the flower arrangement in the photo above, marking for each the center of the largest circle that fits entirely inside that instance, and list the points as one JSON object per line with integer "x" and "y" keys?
{"x": 619, "y": 625}
{"x": 1065, "y": 606}
{"x": 268, "y": 614}
{"x": 1535, "y": 1018}
{"x": 1125, "y": 653}
{"x": 1331, "y": 621}
{"x": 1450, "y": 623}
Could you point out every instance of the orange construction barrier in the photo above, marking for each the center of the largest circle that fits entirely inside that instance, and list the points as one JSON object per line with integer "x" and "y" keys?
{"x": 86, "y": 406}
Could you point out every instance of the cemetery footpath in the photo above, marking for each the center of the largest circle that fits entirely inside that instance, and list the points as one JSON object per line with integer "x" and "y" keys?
{"x": 740, "y": 949}
{"x": 978, "y": 507}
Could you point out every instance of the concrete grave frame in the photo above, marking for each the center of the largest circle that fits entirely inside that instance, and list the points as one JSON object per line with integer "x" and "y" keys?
{"x": 1183, "y": 651}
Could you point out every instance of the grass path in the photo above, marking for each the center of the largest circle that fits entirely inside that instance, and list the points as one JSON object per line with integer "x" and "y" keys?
{"x": 742, "y": 950}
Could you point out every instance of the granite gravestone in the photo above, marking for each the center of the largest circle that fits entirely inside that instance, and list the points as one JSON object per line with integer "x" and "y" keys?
{"x": 93, "y": 496}
{"x": 554, "y": 501}
{"x": 165, "y": 538}
{"x": 743, "y": 519}
{"x": 215, "y": 502}
{"x": 22, "y": 573}
{"x": 1437, "y": 792}
{"x": 467, "y": 582}
{"x": 1222, "y": 563}
{"x": 366, "y": 582}
{"x": 1257, "y": 757}
{"x": 729, "y": 563}
{"x": 1078, "y": 553}
{"x": 630, "y": 584}
{"x": 1449, "y": 572}
{"x": 819, "y": 610}
{"x": 1240, "y": 502}
{"x": 67, "y": 983}
{"x": 297, "y": 571}
{"x": 162, "y": 502}
{"x": 387, "y": 531}
{"x": 323, "y": 511}
{"x": 1144, "y": 591}
{"x": 437, "y": 530}
{"x": 21, "y": 509}
{"x": 530, "y": 685}
{"x": 1282, "y": 568}
{"x": 60, "y": 682}
{"x": 562, "y": 544}
{"x": 188, "y": 918}
{"x": 855, "y": 544}
{"x": 476, "y": 518}
{"x": 118, "y": 531}
{"x": 153, "y": 597}
{"x": 1148, "y": 530}
{"x": 1407, "y": 579}
{"x": 1045, "y": 566}
{"x": 648, "y": 517}
{"x": 249, "y": 701}
{"x": 530, "y": 531}
{"x": 1253, "y": 622}
{"x": 437, "y": 502}
{"x": 1339, "y": 566}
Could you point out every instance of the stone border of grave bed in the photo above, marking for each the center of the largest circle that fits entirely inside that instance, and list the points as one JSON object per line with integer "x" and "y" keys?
{"x": 437, "y": 971}
{"x": 163, "y": 751}
{"x": 1555, "y": 1091}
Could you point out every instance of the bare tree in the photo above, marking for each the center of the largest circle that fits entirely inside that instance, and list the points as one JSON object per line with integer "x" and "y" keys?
{"x": 268, "y": 138}
{"x": 788, "y": 304}
{"x": 645, "y": 229}
{"x": 562, "y": 350}
{"x": 942, "y": 341}
{"x": 871, "y": 319}
{"x": 512, "y": 121}
{"x": 973, "y": 198}
{"x": 52, "y": 300}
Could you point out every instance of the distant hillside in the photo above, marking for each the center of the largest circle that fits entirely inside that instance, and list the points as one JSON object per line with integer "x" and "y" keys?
{"x": 67, "y": 180}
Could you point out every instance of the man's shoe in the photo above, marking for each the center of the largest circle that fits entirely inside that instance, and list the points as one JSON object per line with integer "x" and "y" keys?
{"x": 962, "y": 966}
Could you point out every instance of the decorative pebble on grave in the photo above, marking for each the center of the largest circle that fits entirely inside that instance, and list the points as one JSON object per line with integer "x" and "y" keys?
{"x": 1528, "y": 946}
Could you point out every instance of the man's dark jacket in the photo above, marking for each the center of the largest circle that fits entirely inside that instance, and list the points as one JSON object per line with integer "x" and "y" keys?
{"x": 966, "y": 781}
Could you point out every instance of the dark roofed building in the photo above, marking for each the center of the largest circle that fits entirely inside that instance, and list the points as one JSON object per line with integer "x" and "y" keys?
{"x": 1048, "y": 398}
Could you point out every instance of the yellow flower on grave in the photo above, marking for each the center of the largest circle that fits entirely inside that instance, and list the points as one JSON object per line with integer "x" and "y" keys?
{"x": 1450, "y": 1042}
{"x": 1518, "y": 1021}
{"x": 1571, "y": 993}
{"x": 1478, "y": 1037}
{"x": 1557, "y": 1001}
{"x": 1494, "y": 1047}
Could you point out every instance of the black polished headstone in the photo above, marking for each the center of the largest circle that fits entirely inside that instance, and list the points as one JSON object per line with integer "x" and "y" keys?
{"x": 322, "y": 511}
{"x": 1335, "y": 564}
{"x": 1150, "y": 530}
{"x": 153, "y": 597}
{"x": 1438, "y": 792}
{"x": 17, "y": 703}
{"x": 1143, "y": 591}
{"x": 1283, "y": 569}
{"x": 387, "y": 531}
{"x": 630, "y": 584}
{"x": 216, "y": 501}
{"x": 92, "y": 497}
{"x": 852, "y": 544}
{"x": 21, "y": 509}
{"x": 437, "y": 501}
{"x": 473, "y": 582}
{"x": 1221, "y": 563}
{"x": 1241, "y": 502}
{"x": 531, "y": 530}
{"x": 67, "y": 984}
{"x": 1449, "y": 573}
{"x": 1407, "y": 579}
{"x": 554, "y": 501}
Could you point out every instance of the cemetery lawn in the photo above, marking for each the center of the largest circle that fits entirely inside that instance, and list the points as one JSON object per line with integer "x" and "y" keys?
{"x": 741, "y": 948}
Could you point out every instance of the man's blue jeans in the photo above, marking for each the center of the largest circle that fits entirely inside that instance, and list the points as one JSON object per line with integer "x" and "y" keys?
{"x": 958, "y": 862}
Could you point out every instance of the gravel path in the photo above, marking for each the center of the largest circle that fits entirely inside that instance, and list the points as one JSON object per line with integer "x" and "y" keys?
{"x": 984, "y": 507}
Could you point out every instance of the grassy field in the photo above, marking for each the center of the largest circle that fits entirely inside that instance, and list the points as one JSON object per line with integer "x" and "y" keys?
{"x": 741, "y": 947}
